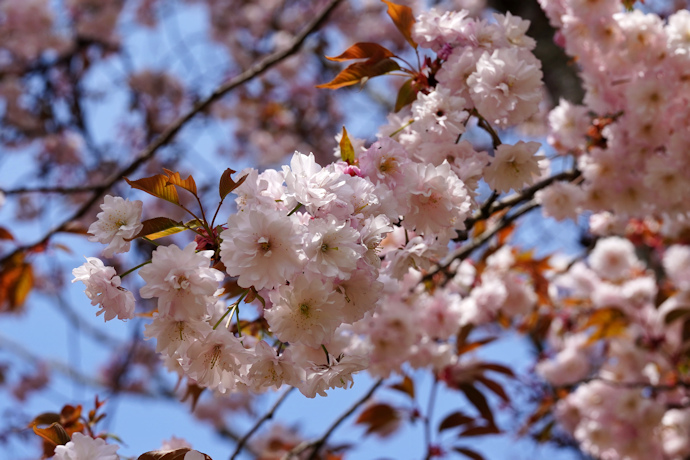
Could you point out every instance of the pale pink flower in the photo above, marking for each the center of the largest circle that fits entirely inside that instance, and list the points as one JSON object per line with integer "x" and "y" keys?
{"x": 182, "y": 280}
{"x": 336, "y": 375}
{"x": 361, "y": 292}
{"x": 613, "y": 258}
{"x": 513, "y": 166}
{"x": 215, "y": 362}
{"x": 83, "y": 447}
{"x": 560, "y": 200}
{"x": 677, "y": 265}
{"x": 506, "y": 87}
{"x": 103, "y": 287}
{"x": 307, "y": 311}
{"x": 262, "y": 247}
{"x": 173, "y": 335}
{"x": 120, "y": 220}
{"x": 439, "y": 203}
{"x": 333, "y": 248}
{"x": 269, "y": 370}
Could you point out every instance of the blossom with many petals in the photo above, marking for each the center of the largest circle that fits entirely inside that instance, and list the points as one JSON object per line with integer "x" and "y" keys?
{"x": 103, "y": 287}
{"x": 120, "y": 220}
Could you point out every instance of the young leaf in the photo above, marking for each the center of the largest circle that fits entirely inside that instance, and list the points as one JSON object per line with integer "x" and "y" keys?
{"x": 363, "y": 50}
{"x": 381, "y": 419}
{"x": 16, "y": 280}
{"x": 468, "y": 453}
{"x": 480, "y": 431}
{"x": 176, "y": 454}
{"x": 453, "y": 420}
{"x": 478, "y": 400}
{"x": 55, "y": 434}
{"x": 406, "y": 95}
{"x": 494, "y": 386}
{"x": 227, "y": 185}
{"x": 151, "y": 227}
{"x": 5, "y": 234}
{"x": 175, "y": 179}
{"x": 45, "y": 418}
{"x": 347, "y": 152}
{"x": 157, "y": 186}
{"x": 501, "y": 369}
{"x": 403, "y": 19}
{"x": 406, "y": 386}
{"x": 676, "y": 314}
{"x": 361, "y": 71}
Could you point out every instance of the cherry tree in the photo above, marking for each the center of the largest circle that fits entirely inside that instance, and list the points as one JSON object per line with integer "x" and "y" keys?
{"x": 261, "y": 237}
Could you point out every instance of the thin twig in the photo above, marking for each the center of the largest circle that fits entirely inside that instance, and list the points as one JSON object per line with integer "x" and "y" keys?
{"x": 464, "y": 251}
{"x": 257, "y": 69}
{"x": 317, "y": 444}
{"x": 267, "y": 416}
{"x": 427, "y": 419}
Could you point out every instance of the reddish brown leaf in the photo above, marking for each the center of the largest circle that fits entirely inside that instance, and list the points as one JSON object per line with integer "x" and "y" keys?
{"x": 380, "y": 419}
{"x": 403, "y": 18}
{"x": 478, "y": 400}
{"x": 607, "y": 323}
{"x": 497, "y": 368}
{"x": 474, "y": 345}
{"x": 347, "y": 152}
{"x": 361, "y": 72}
{"x": 176, "y": 454}
{"x": 406, "y": 386}
{"x": 174, "y": 178}
{"x": 16, "y": 281}
{"x": 157, "y": 186}
{"x": 480, "y": 431}
{"x": 406, "y": 95}
{"x": 5, "y": 234}
{"x": 227, "y": 185}
{"x": 363, "y": 50}
{"x": 454, "y": 420}
{"x": 468, "y": 453}
{"x": 46, "y": 418}
{"x": 673, "y": 315}
{"x": 494, "y": 386}
{"x": 55, "y": 434}
{"x": 194, "y": 393}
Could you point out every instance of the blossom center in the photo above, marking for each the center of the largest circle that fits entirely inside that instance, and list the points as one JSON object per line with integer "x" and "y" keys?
{"x": 304, "y": 310}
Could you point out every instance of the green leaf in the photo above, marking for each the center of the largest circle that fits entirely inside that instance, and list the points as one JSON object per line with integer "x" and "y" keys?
{"x": 406, "y": 95}
{"x": 347, "y": 152}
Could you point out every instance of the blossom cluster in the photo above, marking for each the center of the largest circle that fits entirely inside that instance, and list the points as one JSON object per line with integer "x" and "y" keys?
{"x": 611, "y": 411}
{"x": 316, "y": 244}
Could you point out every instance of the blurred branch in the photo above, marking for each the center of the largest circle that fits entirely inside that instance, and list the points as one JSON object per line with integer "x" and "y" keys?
{"x": 317, "y": 444}
{"x": 267, "y": 416}
{"x": 167, "y": 136}
{"x": 492, "y": 206}
{"x": 463, "y": 252}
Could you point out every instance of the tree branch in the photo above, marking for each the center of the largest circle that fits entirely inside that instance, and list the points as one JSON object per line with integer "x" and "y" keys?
{"x": 317, "y": 444}
{"x": 257, "y": 69}
{"x": 267, "y": 416}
